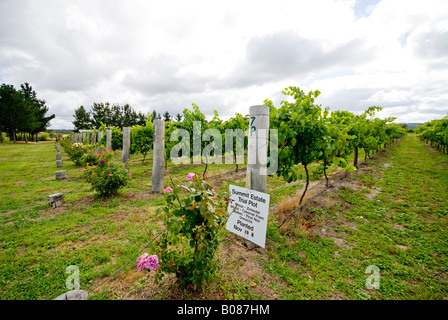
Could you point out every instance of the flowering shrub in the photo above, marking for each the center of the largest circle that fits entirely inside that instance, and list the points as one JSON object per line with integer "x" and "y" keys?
{"x": 192, "y": 234}
{"x": 75, "y": 152}
{"x": 107, "y": 177}
{"x": 90, "y": 158}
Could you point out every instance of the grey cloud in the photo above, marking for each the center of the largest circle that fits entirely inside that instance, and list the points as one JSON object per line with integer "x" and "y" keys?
{"x": 285, "y": 54}
{"x": 354, "y": 100}
{"x": 431, "y": 44}
{"x": 158, "y": 76}
{"x": 358, "y": 100}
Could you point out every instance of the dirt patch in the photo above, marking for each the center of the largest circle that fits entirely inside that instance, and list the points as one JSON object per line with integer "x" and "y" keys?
{"x": 49, "y": 213}
{"x": 84, "y": 201}
{"x": 399, "y": 246}
{"x": 231, "y": 175}
{"x": 374, "y": 191}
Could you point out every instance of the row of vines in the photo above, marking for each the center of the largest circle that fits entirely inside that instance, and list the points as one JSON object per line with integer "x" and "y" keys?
{"x": 435, "y": 132}
{"x": 307, "y": 134}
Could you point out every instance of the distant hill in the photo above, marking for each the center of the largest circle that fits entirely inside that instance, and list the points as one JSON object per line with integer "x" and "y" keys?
{"x": 413, "y": 125}
{"x": 63, "y": 131}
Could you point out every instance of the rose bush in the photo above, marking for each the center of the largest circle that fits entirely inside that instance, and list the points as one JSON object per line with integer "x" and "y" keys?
{"x": 107, "y": 177}
{"x": 194, "y": 217}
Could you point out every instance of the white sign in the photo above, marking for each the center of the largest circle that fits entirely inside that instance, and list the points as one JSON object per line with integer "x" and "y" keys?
{"x": 248, "y": 211}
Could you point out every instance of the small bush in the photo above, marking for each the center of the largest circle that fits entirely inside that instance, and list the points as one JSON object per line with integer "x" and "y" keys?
{"x": 89, "y": 158}
{"x": 107, "y": 177}
{"x": 44, "y": 137}
{"x": 192, "y": 235}
{"x": 75, "y": 152}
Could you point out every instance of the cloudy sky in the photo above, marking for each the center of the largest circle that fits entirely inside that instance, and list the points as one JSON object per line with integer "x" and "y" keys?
{"x": 228, "y": 55}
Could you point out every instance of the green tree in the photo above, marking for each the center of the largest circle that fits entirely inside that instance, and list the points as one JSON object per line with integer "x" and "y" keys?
{"x": 100, "y": 113}
{"x": 82, "y": 119}
{"x": 12, "y": 109}
{"x": 167, "y": 116}
{"x": 36, "y": 110}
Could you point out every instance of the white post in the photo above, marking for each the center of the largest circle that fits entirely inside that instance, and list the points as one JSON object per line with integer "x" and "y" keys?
{"x": 158, "y": 162}
{"x": 257, "y": 149}
{"x": 257, "y": 152}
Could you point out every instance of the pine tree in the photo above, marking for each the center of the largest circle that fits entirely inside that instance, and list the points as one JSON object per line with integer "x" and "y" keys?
{"x": 82, "y": 119}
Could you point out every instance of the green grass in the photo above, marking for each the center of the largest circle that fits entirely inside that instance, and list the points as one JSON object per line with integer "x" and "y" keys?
{"x": 402, "y": 230}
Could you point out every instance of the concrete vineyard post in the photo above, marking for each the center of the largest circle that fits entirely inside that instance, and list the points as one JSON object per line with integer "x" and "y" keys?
{"x": 159, "y": 155}
{"x": 126, "y": 144}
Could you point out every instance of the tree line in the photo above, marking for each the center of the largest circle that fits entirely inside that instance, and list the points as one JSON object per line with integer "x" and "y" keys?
{"x": 22, "y": 112}
{"x": 102, "y": 113}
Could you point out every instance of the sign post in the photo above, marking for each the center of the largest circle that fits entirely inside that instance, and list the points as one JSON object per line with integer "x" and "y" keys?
{"x": 248, "y": 211}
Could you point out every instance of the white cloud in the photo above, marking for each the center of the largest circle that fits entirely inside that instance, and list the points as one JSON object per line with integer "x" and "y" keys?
{"x": 166, "y": 55}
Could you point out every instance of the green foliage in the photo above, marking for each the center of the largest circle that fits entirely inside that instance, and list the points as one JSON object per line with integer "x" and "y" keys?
{"x": 436, "y": 132}
{"x": 22, "y": 111}
{"x": 75, "y": 152}
{"x": 107, "y": 177}
{"x": 195, "y": 124}
{"x": 238, "y": 122}
{"x": 117, "y": 137}
{"x": 111, "y": 116}
{"x": 89, "y": 158}
{"x": 82, "y": 119}
{"x": 44, "y": 137}
{"x": 193, "y": 222}
{"x": 142, "y": 139}
{"x": 302, "y": 134}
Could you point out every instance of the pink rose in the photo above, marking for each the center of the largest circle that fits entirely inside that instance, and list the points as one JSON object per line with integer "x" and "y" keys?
{"x": 141, "y": 261}
{"x": 102, "y": 161}
{"x": 190, "y": 176}
{"x": 168, "y": 189}
{"x": 145, "y": 262}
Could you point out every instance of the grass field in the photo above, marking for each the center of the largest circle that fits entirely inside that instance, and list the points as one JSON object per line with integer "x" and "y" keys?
{"x": 392, "y": 214}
